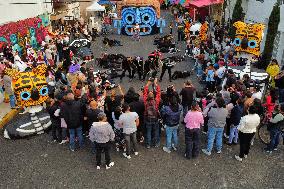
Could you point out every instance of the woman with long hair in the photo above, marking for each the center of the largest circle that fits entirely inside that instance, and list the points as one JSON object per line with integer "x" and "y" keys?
{"x": 193, "y": 120}
{"x": 171, "y": 116}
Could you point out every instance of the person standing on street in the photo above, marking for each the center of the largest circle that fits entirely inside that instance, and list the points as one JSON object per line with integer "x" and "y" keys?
{"x": 275, "y": 126}
{"x": 129, "y": 122}
{"x": 152, "y": 101}
{"x": 216, "y": 123}
{"x": 171, "y": 116}
{"x": 247, "y": 129}
{"x": 71, "y": 111}
{"x": 193, "y": 119}
{"x": 101, "y": 134}
{"x": 187, "y": 94}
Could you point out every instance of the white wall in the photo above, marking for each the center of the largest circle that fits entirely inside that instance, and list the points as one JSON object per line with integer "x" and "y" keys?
{"x": 280, "y": 52}
{"x": 11, "y": 12}
{"x": 258, "y": 12}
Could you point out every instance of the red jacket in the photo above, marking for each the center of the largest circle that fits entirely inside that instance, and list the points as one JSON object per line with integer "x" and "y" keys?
{"x": 158, "y": 95}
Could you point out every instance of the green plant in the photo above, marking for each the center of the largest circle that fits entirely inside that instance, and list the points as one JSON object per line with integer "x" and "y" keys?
{"x": 272, "y": 29}
{"x": 238, "y": 15}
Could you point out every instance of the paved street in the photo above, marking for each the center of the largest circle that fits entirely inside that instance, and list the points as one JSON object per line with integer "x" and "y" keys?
{"x": 38, "y": 163}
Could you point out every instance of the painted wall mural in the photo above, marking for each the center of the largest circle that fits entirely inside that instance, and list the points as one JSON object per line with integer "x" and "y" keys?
{"x": 30, "y": 31}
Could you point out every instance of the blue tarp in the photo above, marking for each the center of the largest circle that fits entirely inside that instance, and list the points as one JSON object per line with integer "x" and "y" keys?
{"x": 105, "y": 2}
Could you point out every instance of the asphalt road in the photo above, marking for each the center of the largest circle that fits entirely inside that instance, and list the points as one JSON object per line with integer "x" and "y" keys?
{"x": 39, "y": 163}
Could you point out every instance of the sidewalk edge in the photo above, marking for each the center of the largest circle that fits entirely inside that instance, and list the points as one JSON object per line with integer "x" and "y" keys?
{"x": 8, "y": 117}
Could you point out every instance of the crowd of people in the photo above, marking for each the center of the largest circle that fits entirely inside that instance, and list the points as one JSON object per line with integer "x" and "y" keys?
{"x": 83, "y": 105}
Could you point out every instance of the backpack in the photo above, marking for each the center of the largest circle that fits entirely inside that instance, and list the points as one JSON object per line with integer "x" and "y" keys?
{"x": 150, "y": 110}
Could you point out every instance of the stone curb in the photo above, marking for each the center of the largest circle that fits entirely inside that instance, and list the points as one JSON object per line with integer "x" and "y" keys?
{"x": 8, "y": 117}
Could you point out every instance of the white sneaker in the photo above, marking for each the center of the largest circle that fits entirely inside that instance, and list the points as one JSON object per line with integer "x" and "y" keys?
{"x": 166, "y": 150}
{"x": 245, "y": 156}
{"x": 225, "y": 135}
{"x": 63, "y": 141}
{"x": 206, "y": 152}
{"x": 219, "y": 152}
{"x": 127, "y": 156}
{"x": 174, "y": 148}
{"x": 98, "y": 167}
{"x": 238, "y": 158}
{"x": 136, "y": 153}
{"x": 111, "y": 164}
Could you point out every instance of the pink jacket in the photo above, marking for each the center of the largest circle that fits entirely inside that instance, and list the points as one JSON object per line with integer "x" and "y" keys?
{"x": 193, "y": 120}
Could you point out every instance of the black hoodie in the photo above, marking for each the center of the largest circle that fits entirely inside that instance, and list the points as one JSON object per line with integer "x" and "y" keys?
{"x": 71, "y": 111}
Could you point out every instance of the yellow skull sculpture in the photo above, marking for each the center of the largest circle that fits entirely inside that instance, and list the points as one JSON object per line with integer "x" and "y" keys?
{"x": 30, "y": 87}
{"x": 248, "y": 37}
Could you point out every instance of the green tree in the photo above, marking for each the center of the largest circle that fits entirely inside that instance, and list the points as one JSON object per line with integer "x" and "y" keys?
{"x": 238, "y": 15}
{"x": 272, "y": 29}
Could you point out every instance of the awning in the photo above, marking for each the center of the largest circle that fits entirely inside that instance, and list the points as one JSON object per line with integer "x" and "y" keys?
{"x": 95, "y": 7}
{"x": 203, "y": 3}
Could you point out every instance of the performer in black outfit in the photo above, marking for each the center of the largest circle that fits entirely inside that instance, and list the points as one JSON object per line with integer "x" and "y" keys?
{"x": 126, "y": 66}
{"x": 150, "y": 67}
{"x": 137, "y": 66}
{"x": 167, "y": 65}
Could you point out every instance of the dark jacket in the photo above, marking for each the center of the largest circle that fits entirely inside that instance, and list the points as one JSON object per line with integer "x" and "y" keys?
{"x": 280, "y": 82}
{"x": 92, "y": 116}
{"x": 51, "y": 110}
{"x": 71, "y": 111}
{"x": 236, "y": 115}
{"x": 170, "y": 117}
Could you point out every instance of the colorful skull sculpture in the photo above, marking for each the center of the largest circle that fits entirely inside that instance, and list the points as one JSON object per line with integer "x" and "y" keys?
{"x": 198, "y": 32}
{"x": 145, "y": 16}
{"x": 248, "y": 37}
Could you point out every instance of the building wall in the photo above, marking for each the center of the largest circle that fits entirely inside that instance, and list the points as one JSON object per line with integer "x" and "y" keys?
{"x": 83, "y": 6}
{"x": 11, "y": 13}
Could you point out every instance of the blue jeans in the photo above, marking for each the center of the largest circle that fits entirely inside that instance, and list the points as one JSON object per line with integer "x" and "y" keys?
{"x": 12, "y": 101}
{"x": 274, "y": 138}
{"x": 233, "y": 134}
{"x": 152, "y": 126}
{"x": 73, "y": 133}
{"x": 214, "y": 132}
{"x": 281, "y": 95}
{"x": 171, "y": 133}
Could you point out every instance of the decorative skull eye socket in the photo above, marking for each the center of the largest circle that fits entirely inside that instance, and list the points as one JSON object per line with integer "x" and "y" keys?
{"x": 196, "y": 32}
{"x": 25, "y": 95}
{"x": 43, "y": 91}
{"x": 252, "y": 44}
{"x": 130, "y": 18}
{"x": 237, "y": 42}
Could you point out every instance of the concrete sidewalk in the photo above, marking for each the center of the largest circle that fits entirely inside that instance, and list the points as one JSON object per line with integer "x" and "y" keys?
{"x": 4, "y": 109}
